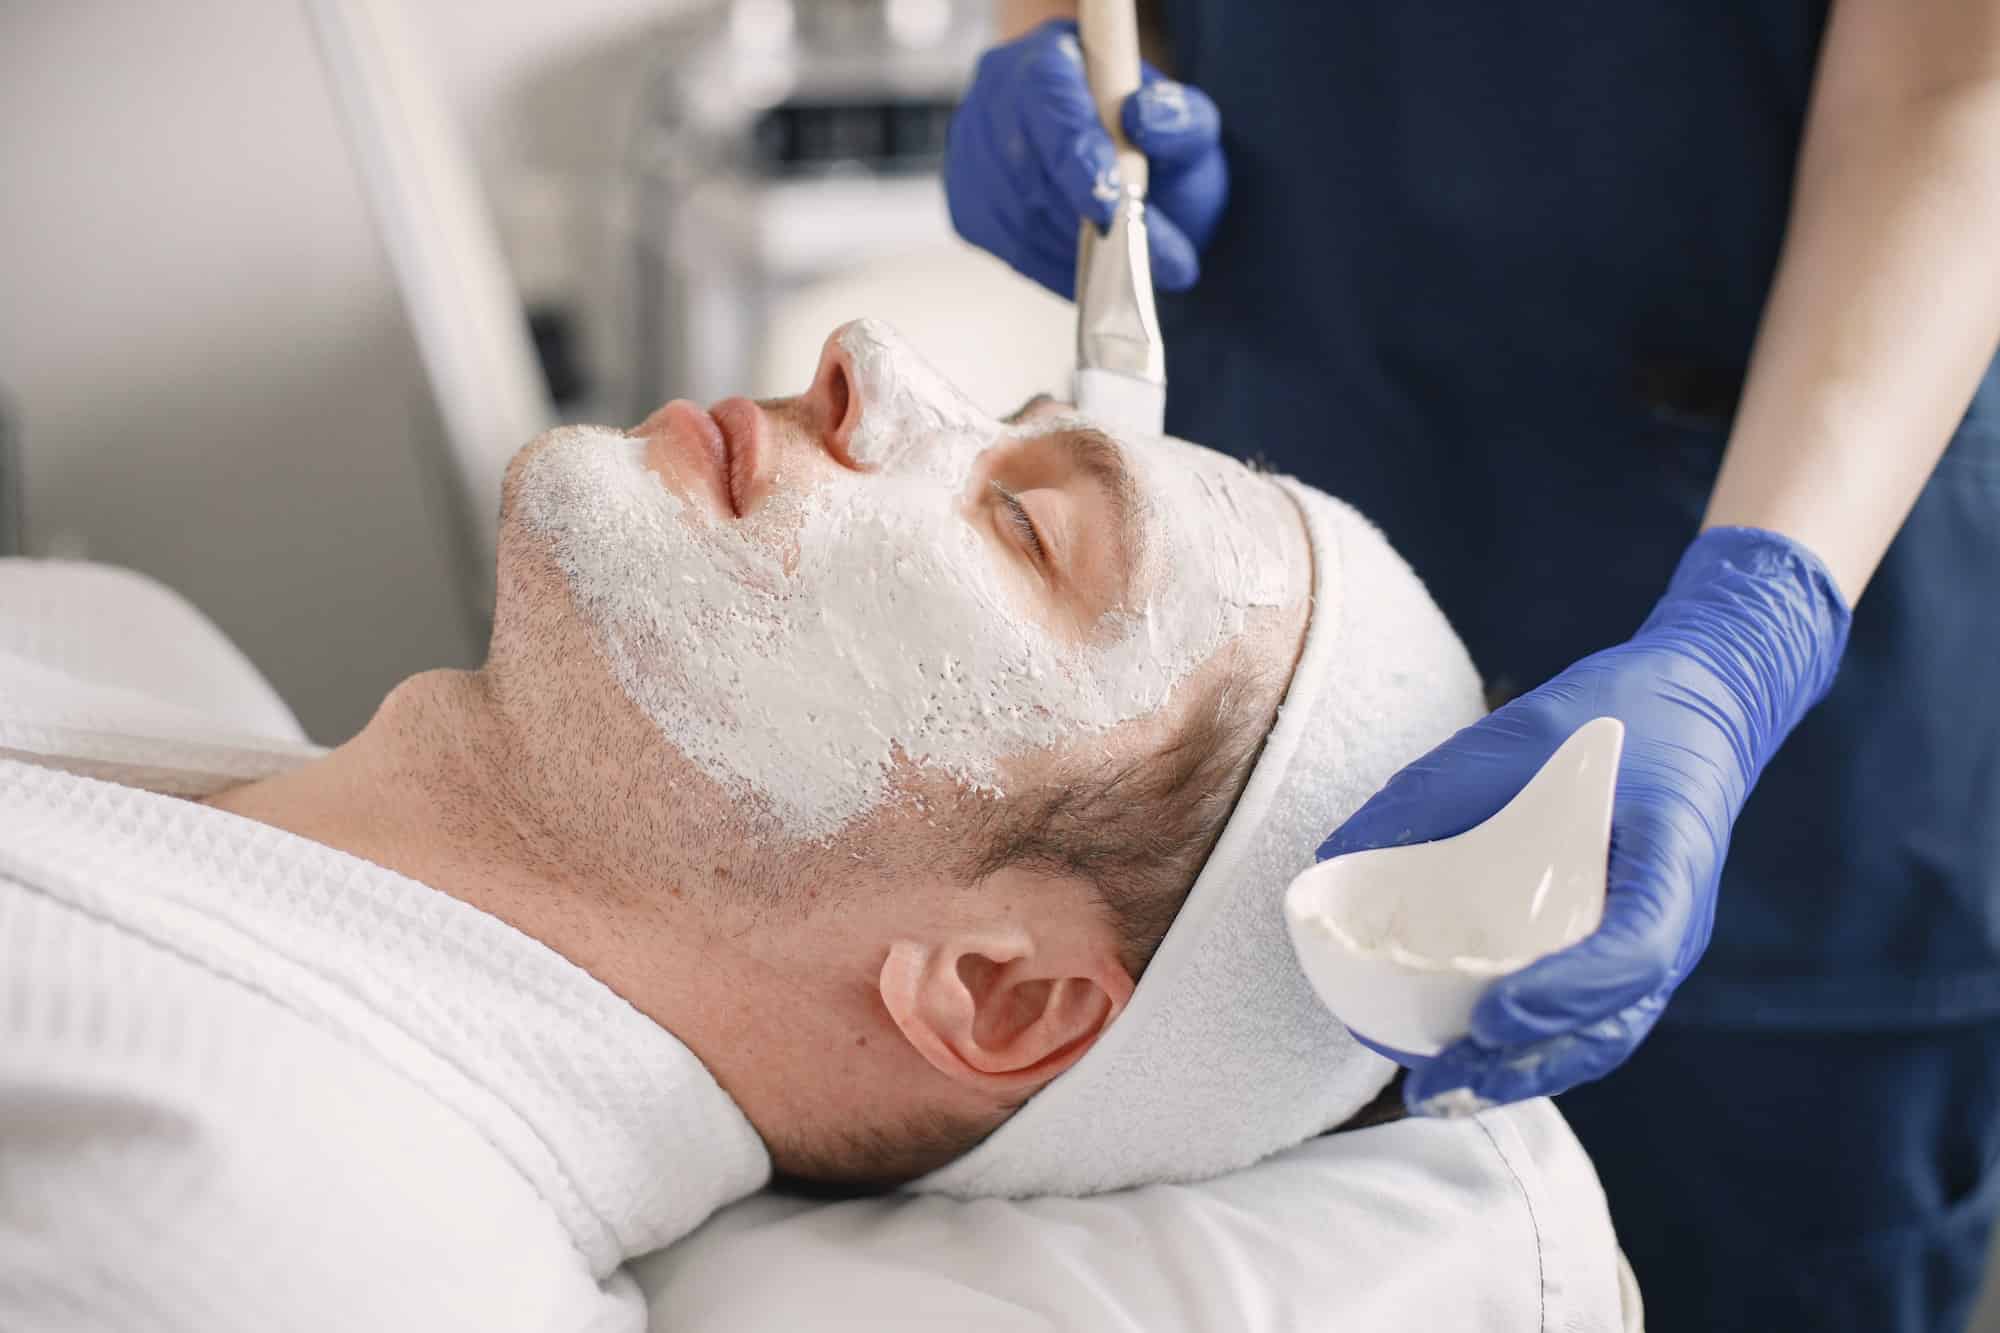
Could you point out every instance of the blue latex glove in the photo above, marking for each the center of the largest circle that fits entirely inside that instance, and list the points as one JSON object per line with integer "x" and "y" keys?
{"x": 1027, "y": 158}
{"x": 1745, "y": 640}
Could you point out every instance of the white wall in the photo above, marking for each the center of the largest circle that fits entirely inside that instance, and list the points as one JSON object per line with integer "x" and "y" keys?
{"x": 201, "y": 333}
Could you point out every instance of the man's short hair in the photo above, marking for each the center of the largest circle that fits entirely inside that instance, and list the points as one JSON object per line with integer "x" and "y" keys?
{"x": 1138, "y": 830}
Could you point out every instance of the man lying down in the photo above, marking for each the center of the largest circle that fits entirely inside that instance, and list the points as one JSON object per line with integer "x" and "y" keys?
{"x": 837, "y": 770}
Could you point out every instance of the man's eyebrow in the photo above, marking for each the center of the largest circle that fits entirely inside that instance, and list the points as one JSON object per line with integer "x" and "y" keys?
{"x": 1098, "y": 457}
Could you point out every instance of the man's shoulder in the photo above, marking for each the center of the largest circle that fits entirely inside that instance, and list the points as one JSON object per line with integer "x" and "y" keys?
{"x": 189, "y": 1147}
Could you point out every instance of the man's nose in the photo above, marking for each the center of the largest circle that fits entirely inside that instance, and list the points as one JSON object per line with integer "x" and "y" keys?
{"x": 833, "y": 404}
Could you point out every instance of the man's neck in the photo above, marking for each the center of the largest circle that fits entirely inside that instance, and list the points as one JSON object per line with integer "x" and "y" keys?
{"x": 429, "y": 789}
{"x": 438, "y": 787}
{"x": 412, "y": 792}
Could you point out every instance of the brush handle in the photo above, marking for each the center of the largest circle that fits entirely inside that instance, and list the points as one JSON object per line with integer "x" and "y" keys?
{"x": 1109, "y": 31}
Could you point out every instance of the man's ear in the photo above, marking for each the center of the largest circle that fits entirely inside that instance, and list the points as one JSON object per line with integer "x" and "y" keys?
{"x": 1004, "y": 1010}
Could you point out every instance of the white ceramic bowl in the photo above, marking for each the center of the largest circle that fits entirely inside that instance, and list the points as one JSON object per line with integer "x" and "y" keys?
{"x": 1400, "y": 942}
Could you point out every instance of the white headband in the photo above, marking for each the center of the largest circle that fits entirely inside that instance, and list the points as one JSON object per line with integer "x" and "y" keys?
{"x": 1224, "y": 1055}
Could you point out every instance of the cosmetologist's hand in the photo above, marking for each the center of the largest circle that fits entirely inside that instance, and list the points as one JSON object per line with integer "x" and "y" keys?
{"x": 1027, "y": 159}
{"x": 1745, "y": 640}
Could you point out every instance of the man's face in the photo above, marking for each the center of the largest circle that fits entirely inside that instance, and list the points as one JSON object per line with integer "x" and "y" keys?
{"x": 828, "y": 603}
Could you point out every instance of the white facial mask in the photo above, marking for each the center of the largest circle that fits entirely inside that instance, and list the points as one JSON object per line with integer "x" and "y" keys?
{"x": 799, "y": 656}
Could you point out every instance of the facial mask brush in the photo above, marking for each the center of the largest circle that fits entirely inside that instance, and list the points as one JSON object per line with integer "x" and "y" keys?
{"x": 1121, "y": 360}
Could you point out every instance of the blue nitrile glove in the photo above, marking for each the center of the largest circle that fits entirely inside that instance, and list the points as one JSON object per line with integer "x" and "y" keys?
{"x": 1027, "y": 158}
{"x": 1745, "y": 640}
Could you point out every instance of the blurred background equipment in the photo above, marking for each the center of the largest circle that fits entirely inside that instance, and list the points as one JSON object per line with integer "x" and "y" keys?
{"x": 779, "y": 145}
{"x": 784, "y": 178}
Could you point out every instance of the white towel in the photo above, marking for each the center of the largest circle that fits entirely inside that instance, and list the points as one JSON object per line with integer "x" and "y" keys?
{"x": 1224, "y": 1054}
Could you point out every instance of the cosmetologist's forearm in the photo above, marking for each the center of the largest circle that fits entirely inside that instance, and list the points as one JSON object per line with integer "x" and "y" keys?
{"x": 1011, "y": 18}
{"x": 1886, "y": 307}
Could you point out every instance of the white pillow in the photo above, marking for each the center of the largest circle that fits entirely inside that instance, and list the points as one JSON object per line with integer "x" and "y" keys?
{"x": 118, "y": 634}
{"x": 1492, "y": 1223}
{"x": 106, "y": 673}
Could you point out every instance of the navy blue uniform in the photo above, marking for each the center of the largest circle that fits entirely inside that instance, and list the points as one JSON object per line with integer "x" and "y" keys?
{"x": 1492, "y": 272}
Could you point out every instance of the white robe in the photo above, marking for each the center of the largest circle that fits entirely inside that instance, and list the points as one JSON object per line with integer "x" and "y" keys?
{"x": 247, "y": 1081}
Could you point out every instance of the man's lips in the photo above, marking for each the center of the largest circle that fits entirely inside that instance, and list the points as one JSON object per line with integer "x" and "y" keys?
{"x": 722, "y": 444}
{"x": 743, "y": 432}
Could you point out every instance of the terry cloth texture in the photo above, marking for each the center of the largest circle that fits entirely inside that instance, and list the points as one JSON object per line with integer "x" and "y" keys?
{"x": 252, "y": 1082}
{"x": 1224, "y": 1054}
